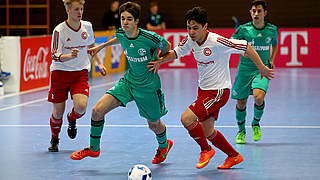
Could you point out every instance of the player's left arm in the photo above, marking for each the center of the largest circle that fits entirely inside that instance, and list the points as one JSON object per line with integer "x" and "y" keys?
{"x": 103, "y": 70}
{"x": 274, "y": 50}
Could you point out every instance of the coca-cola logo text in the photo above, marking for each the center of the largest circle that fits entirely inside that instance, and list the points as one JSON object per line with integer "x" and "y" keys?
{"x": 36, "y": 66}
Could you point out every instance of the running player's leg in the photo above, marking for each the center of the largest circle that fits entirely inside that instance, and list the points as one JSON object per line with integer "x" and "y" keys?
{"x": 55, "y": 125}
{"x": 219, "y": 141}
{"x": 115, "y": 97}
{"x": 151, "y": 106}
{"x": 213, "y": 102}
{"x": 258, "y": 112}
{"x": 80, "y": 102}
{"x": 165, "y": 144}
{"x": 240, "y": 91}
{"x": 58, "y": 94}
{"x": 79, "y": 90}
{"x": 260, "y": 87}
{"x": 195, "y": 130}
{"x": 241, "y": 112}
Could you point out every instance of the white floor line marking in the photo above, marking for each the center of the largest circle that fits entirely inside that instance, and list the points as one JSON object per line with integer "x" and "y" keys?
{"x": 171, "y": 126}
{"x": 45, "y": 99}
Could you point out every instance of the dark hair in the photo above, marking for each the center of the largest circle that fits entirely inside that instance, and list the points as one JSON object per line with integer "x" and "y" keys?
{"x": 259, "y": 2}
{"x": 132, "y": 8}
{"x": 197, "y": 14}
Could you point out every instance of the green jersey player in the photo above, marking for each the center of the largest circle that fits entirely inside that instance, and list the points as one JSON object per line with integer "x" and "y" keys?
{"x": 138, "y": 84}
{"x": 263, "y": 37}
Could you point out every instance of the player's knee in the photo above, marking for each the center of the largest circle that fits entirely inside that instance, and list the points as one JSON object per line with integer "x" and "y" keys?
{"x": 57, "y": 115}
{"x": 154, "y": 126}
{"x": 258, "y": 99}
{"x": 81, "y": 108}
{"x": 186, "y": 120}
{"x": 97, "y": 113}
{"x": 241, "y": 104}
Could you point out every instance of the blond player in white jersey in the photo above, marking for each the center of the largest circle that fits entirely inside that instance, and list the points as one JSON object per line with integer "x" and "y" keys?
{"x": 69, "y": 69}
{"x": 212, "y": 53}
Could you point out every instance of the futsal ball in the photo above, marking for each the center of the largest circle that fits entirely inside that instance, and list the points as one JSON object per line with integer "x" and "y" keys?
{"x": 139, "y": 172}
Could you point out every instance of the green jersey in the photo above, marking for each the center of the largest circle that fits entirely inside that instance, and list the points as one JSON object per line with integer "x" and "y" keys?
{"x": 259, "y": 39}
{"x": 139, "y": 51}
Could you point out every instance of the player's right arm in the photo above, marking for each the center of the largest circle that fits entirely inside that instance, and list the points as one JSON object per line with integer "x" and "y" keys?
{"x": 56, "y": 49}
{"x": 93, "y": 51}
{"x": 264, "y": 70}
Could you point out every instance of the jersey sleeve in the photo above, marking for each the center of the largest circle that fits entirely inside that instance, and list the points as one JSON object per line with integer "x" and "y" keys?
{"x": 233, "y": 46}
{"x": 56, "y": 45}
{"x": 238, "y": 34}
{"x": 275, "y": 38}
{"x": 183, "y": 48}
{"x": 91, "y": 34}
{"x": 161, "y": 42}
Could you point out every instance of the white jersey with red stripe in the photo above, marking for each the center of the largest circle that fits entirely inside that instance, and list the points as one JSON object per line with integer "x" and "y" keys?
{"x": 212, "y": 58}
{"x": 64, "y": 39}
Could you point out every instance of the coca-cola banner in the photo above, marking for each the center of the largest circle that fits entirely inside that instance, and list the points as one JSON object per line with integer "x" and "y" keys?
{"x": 296, "y": 48}
{"x": 35, "y": 62}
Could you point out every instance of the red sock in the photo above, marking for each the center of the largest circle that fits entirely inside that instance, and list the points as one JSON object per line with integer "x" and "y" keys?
{"x": 196, "y": 132}
{"x": 74, "y": 116}
{"x": 219, "y": 141}
{"x": 55, "y": 125}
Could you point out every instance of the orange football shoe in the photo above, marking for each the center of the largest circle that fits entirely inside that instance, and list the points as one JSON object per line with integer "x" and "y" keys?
{"x": 162, "y": 153}
{"x": 231, "y": 161}
{"x": 78, "y": 155}
{"x": 205, "y": 157}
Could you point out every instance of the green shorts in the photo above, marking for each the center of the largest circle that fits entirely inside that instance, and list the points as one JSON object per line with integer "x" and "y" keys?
{"x": 246, "y": 81}
{"x": 150, "y": 104}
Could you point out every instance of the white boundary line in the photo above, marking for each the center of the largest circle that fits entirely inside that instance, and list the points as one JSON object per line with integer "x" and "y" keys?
{"x": 42, "y": 99}
{"x": 171, "y": 126}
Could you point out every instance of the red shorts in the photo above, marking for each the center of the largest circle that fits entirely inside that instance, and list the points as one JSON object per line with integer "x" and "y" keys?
{"x": 61, "y": 82}
{"x": 209, "y": 102}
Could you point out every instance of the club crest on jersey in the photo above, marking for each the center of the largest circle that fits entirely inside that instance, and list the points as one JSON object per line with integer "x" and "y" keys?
{"x": 84, "y": 35}
{"x": 268, "y": 40}
{"x": 207, "y": 51}
{"x": 142, "y": 52}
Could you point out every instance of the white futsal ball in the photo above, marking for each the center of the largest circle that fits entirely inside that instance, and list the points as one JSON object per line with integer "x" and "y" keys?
{"x": 139, "y": 172}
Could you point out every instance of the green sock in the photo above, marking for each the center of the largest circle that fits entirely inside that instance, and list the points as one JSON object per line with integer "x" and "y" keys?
{"x": 258, "y": 111}
{"x": 241, "y": 118}
{"x": 162, "y": 139}
{"x": 95, "y": 134}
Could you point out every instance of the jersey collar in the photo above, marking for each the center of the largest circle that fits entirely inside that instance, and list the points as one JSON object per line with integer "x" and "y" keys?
{"x": 133, "y": 38}
{"x": 200, "y": 44}
{"x": 76, "y": 30}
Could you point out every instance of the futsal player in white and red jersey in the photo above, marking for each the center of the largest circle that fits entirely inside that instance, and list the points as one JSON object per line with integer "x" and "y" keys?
{"x": 212, "y": 53}
{"x": 69, "y": 69}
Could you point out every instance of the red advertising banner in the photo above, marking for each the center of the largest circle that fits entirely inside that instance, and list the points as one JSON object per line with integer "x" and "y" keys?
{"x": 35, "y": 62}
{"x": 297, "y": 48}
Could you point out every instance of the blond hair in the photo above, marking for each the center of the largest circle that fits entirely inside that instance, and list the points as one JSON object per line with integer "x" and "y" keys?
{"x": 67, "y": 3}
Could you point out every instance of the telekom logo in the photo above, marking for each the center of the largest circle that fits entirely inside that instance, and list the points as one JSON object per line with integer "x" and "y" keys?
{"x": 176, "y": 40}
{"x": 284, "y": 50}
{"x": 35, "y": 66}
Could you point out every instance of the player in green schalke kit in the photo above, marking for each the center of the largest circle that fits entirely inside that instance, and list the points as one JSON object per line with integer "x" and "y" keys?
{"x": 263, "y": 37}
{"x": 138, "y": 84}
